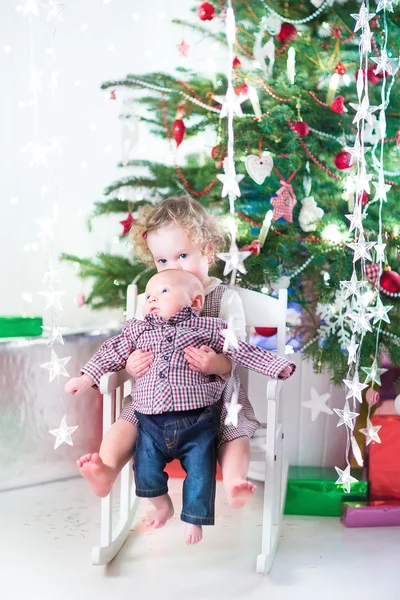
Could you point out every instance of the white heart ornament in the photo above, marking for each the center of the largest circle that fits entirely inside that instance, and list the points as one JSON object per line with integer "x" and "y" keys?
{"x": 259, "y": 167}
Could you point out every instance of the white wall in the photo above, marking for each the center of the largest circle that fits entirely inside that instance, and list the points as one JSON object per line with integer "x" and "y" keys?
{"x": 96, "y": 40}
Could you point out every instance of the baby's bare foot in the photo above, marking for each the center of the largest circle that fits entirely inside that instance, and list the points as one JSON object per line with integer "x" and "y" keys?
{"x": 99, "y": 476}
{"x": 193, "y": 533}
{"x": 164, "y": 511}
{"x": 239, "y": 492}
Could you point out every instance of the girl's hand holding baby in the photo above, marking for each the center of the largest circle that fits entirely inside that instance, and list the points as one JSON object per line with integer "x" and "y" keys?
{"x": 139, "y": 363}
{"x": 205, "y": 360}
{"x": 78, "y": 385}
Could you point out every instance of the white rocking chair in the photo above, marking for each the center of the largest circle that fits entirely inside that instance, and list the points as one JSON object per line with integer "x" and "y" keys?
{"x": 266, "y": 445}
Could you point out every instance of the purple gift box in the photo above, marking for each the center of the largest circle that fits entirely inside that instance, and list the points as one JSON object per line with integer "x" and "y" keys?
{"x": 374, "y": 514}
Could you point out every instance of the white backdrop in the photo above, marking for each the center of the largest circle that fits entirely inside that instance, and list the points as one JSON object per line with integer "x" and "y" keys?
{"x": 96, "y": 40}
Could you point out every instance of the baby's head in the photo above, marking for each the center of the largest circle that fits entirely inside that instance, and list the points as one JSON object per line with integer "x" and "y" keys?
{"x": 178, "y": 233}
{"x": 167, "y": 292}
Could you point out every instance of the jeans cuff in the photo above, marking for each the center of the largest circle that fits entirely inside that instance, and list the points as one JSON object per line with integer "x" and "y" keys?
{"x": 151, "y": 493}
{"x": 197, "y": 520}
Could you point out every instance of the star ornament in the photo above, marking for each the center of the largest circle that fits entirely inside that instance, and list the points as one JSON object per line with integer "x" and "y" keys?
{"x": 63, "y": 434}
{"x": 317, "y": 404}
{"x": 352, "y": 350}
{"x": 53, "y": 299}
{"x": 56, "y": 366}
{"x": 127, "y": 224}
{"x": 284, "y": 202}
{"x": 385, "y": 5}
{"x": 384, "y": 64}
{"x": 352, "y": 287}
{"x": 363, "y": 111}
{"x": 355, "y": 219}
{"x": 354, "y": 387}
{"x": 373, "y": 373}
{"x": 362, "y": 18}
{"x": 55, "y": 334}
{"x": 361, "y": 249}
{"x": 381, "y": 188}
{"x": 345, "y": 478}
{"x": 231, "y": 103}
{"x": 361, "y": 321}
{"x": 230, "y": 184}
{"x": 234, "y": 260}
{"x": 371, "y": 433}
{"x": 380, "y": 311}
{"x": 183, "y": 48}
{"x": 346, "y": 417}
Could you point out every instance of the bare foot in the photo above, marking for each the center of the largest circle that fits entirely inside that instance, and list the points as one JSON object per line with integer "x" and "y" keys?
{"x": 164, "y": 511}
{"x": 240, "y": 492}
{"x": 99, "y": 476}
{"x": 193, "y": 533}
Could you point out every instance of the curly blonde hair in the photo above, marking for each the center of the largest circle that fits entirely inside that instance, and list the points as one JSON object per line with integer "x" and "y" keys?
{"x": 201, "y": 227}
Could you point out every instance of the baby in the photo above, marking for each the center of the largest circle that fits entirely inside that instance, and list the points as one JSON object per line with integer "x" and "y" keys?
{"x": 175, "y": 405}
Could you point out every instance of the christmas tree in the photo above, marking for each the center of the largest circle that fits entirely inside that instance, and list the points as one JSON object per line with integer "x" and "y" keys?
{"x": 297, "y": 81}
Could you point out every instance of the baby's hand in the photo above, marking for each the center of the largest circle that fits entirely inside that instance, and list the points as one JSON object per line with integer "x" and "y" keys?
{"x": 78, "y": 385}
{"x": 205, "y": 360}
{"x": 285, "y": 373}
{"x": 139, "y": 363}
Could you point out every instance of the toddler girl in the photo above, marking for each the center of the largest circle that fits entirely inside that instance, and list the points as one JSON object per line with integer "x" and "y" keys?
{"x": 178, "y": 233}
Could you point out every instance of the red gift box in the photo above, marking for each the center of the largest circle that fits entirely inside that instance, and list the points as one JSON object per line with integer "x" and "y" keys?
{"x": 384, "y": 459}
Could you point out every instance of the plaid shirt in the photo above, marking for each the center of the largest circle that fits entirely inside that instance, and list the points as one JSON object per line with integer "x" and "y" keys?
{"x": 170, "y": 385}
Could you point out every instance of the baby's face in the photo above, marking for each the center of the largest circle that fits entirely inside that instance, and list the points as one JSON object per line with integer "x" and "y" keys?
{"x": 164, "y": 297}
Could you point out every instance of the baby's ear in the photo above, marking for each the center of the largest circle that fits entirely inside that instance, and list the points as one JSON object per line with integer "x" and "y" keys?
{"x": 197, "y": 302}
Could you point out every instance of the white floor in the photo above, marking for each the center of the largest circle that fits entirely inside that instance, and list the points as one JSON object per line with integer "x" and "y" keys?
{"x": 46, "y": 534}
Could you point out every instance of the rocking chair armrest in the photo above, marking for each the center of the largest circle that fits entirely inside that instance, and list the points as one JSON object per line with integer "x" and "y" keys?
{"x": 274, "y": 387}
{"x": 112, "y": 381}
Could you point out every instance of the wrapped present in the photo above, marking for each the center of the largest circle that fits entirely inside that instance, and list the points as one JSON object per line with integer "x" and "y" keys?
{"x": 384, "y": 459}
{"x": 377, "y": 513}
{"x": 313, "y": 491}
{"x": 20, "y": 326}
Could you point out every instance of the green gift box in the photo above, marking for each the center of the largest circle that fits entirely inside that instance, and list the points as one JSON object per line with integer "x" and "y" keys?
{"x": 313, "y": 491}
{"x": 20, "y": 326}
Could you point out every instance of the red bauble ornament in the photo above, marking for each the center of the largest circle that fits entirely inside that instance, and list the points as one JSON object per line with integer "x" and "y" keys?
{"x": 302, "y": 128}
{"x": 266, "y": 331}
{"x": 340, "y": 69}
{"x": 218, "y": 152}
{"x": 206, "y": 11}
{"x": 242, "y": 90}
{"x": 364, "y": 198}
{"x": 342, "y": 160}
{"x": 178, "y": 130}
{"x": 372, "y": 397}
{"x": 80, "y": 300}
{"x": 127, "y": 224}
{"x": 338, "y": 105}
{"x": 236, "y": 64}
{"x": 390, "y": 282}
{"x": 372, "y": 78}
{"x": 287, "y": 31}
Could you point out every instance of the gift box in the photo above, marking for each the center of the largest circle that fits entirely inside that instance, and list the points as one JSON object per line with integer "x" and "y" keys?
{"x": 20, "y": 326}
{"x": 313, "y": 491}
{"x": 377, "y": 513}
{"x": 384, "y": 459}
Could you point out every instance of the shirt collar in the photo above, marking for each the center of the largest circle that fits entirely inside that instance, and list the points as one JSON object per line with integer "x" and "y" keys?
{"x": 214, "y": 283}
{"x": 185, "y": 313}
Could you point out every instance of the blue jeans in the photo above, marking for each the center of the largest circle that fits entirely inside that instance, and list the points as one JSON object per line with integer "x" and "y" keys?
{"x": 191, "y": 437}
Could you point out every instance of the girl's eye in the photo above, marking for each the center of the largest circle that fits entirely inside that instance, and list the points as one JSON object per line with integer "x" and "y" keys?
{"x": 164, "y": 291}
{"x": 183, "y": 255}
{"x": 162, "y": 261}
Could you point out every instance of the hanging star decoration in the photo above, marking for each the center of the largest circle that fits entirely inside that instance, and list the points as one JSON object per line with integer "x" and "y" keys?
{"x": 385, "y": 5}
{"x": 230, "y": 180}
{"x": 363, "y": 111}
{"x": 371, "y": 433}
{"x": 346, "y": 416}
{"x": 380, "y": 311}
{"x": 231, "y": 103}
{"x": 52, "y": 275}
{"x": 63, "y": 434}
{"x": 373, "y": 373}
{"x": 352, "y": 350}
{"x": 380, "y": 250}
{"x": 384, "y": 64}
{"x": 56, "y": 366}
{"x": 231, "y": 340}
{"x": 361, "y": 321}
{"x": 53, "y": 299}
{"x": 361, "y": 249}
{"x": 46, "y": 227}
{"x": 355, "y": 218}
{"x": 234, "y": 259}
{"x": 356, "y": 152}
{"x": 183, "y": 48}
{"x": 284, "y": 202}
{"x": 39, "y": 153}
{"x": 352, "y": 287}
{"x": 362, "y": 18}
{"x": 233, "y": 408}
{"x": 317, "y": 404}
{"x": 345, "y": 478}
{"x": 381, "y": 188}
{"x": 354, "y": 387}
{"x": 127, "y": 224}
{"x": 55, "y": 334}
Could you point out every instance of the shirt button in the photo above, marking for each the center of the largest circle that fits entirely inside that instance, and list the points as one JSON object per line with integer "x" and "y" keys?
{"x": 169, "y": 339}
{"x": 166, "y": 357}
{"x": 162, "y": 376}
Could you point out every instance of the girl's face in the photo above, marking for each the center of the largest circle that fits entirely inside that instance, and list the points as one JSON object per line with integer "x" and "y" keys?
{"x": 173, "y": 249}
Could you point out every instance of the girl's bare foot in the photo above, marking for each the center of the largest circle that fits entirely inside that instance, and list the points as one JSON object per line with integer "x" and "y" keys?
{"x": 239, "y": 492}
{"x": 193, "y": 533}
{"x": 99, "y": 476}
{"x": 164, "y": 511}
